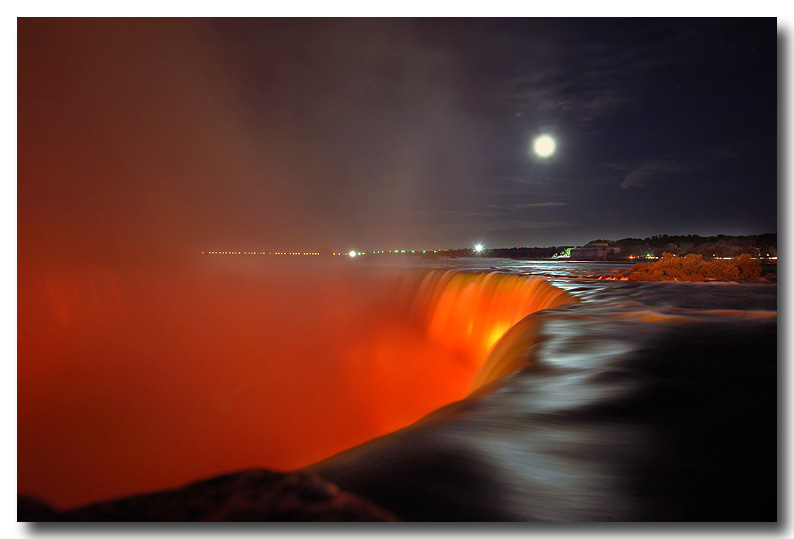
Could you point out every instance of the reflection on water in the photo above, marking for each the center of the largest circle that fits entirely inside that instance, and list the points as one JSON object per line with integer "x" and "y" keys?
{"x": 614, "y": 400}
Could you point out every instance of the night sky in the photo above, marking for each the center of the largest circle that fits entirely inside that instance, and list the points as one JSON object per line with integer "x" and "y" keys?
{"x": 176, "y": 135}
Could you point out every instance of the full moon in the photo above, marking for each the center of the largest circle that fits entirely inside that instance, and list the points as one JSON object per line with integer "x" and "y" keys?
{"x": 544, "y": 146}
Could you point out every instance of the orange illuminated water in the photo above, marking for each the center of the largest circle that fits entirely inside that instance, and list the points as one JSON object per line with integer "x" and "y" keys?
{"x": 131, "y": 381}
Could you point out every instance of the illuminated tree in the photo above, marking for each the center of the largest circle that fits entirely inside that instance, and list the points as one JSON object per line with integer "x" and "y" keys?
{"x": 694, "y": 268}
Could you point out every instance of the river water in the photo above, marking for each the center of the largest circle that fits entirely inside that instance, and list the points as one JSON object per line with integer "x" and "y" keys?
{"x": 442, "y": 389}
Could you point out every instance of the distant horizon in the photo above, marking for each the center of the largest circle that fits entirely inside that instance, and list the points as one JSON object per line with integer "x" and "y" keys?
{"x": 466, "y": 247}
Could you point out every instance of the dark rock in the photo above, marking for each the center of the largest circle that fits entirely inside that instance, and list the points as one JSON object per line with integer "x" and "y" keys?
{"x": 32, "y": 510}
{"x": 249, "y": 496}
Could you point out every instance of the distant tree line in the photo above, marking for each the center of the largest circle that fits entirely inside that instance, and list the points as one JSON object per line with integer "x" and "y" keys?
{"x": 720, "y": 246}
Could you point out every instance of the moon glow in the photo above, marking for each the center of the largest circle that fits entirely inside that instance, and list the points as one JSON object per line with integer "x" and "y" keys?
{"x": 544, "y": 146}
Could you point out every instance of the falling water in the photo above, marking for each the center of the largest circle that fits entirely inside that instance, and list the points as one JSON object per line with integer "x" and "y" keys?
{"x": 131, "y": 381}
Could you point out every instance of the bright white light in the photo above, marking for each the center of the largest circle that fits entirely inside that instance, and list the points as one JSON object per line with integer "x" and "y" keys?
{"x": 351, "y": 254}
{"x": 478, "y": 247}
{"x": 544, "y": 146}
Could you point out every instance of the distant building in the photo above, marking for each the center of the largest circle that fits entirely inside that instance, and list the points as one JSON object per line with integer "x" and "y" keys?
{"x": 595, "y": 250}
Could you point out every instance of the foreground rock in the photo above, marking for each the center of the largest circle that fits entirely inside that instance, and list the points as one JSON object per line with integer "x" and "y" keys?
{"x": 250, "y": 496}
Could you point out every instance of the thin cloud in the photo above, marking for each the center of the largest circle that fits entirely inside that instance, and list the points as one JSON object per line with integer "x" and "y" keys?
{"x": 642, "y": 174}
{"x": 595, "y": 80}
{"x": 539, "y": 205}
{"x": 453, "y": 216}
{"x": 526, "y": 225}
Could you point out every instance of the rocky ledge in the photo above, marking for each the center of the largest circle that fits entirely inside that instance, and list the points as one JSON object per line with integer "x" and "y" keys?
{"x": 248, "y": 496}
